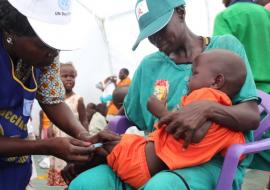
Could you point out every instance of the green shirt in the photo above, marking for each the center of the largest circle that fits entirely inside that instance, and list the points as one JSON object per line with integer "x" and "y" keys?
{"x": 159, "y": 66}
{"x": 250, "y": 23}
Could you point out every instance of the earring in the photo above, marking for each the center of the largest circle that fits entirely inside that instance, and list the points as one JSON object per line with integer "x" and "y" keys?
{"x": 9, "y": 40}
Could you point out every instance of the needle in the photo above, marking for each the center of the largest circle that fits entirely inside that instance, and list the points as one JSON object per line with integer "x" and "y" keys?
{"x": 97, "y": 145}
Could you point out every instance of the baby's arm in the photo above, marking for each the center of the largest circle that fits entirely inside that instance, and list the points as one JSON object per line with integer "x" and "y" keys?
{"x": 157, "y": 107}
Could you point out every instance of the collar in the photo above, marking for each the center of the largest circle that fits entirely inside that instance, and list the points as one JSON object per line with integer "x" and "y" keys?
{"x": 240, "y": 1}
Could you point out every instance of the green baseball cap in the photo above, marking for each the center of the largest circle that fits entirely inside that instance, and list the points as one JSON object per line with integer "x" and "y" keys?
{"x": 153, "y": 15}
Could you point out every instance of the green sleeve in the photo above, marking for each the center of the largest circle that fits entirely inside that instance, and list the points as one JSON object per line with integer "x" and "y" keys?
{"x": 132, "y": 100}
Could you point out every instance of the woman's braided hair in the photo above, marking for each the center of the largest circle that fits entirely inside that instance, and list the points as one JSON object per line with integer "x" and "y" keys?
{"x": 13, "y": 21}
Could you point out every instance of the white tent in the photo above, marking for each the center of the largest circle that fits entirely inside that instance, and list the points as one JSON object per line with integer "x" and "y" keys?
{"x": 113, "y": 31}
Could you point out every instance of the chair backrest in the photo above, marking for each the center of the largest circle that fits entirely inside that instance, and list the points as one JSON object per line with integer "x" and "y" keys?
{"x": 119, "y": 124}
{"x": 265, "y": 110}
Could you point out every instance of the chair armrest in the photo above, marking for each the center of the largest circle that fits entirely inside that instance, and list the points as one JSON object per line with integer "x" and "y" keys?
{"x": 232, "y": 159}
{"x": 264, "y": 126}
{"x": 265, "y": 100}
{"x": 119, "y": 124}
{"x": 265, "y": 122}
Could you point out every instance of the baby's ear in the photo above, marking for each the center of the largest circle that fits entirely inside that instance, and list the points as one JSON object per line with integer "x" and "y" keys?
{"x": 219, "y": 81}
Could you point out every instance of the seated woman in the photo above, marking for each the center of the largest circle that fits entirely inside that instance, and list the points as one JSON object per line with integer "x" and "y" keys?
{"x": 135, "y": 158}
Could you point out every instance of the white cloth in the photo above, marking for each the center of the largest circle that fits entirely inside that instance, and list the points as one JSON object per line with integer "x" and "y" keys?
{"x": 97, "y": 123}
{"x": 133, "y": 130}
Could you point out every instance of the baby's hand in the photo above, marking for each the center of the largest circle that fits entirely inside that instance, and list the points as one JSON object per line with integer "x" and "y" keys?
{"x": 157, "y": 107}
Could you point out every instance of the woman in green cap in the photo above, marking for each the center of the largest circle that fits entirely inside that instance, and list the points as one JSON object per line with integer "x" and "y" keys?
{"x": 163, "y": 23}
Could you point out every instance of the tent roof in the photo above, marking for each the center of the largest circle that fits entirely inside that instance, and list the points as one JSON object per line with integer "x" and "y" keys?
{"x": 108, "y": 8}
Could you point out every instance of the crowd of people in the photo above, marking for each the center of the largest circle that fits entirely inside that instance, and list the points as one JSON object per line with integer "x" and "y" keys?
{"x": 192, "y": 98}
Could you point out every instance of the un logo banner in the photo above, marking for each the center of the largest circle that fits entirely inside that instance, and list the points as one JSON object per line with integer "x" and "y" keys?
{"x": 64, "y": 4}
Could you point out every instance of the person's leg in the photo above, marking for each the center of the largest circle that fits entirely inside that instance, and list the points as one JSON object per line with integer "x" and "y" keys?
{"x": 100, "y": 177}
{"x": 202, "y": 177}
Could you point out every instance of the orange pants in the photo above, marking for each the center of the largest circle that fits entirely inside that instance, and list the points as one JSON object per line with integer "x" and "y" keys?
{"x": 128, "y": 160}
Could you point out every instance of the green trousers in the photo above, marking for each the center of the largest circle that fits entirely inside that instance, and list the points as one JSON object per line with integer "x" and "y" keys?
{"x": 203, "y": 177}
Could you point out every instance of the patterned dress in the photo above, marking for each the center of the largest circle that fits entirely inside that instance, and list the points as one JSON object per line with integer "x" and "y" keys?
{"x": 50, "y": 87}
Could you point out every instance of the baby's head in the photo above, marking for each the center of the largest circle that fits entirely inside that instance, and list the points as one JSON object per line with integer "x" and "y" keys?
{"x": 219, "y": 69}
{"x": 68, "y": 74}
{"x": 119, "y": 95}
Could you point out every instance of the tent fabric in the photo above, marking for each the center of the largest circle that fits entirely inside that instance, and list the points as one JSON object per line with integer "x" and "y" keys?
{"x": 112, "y": 34}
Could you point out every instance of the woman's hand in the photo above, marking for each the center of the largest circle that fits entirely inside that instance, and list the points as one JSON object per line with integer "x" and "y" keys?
{"x": 186, "y": 122}
{"x": 69, "y": 149}
{"x": 98, "y": 156}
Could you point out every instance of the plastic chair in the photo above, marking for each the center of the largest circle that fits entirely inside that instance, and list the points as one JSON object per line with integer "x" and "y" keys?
{"x": 264, "y": 107}
{"x": 235, "y": 151}
{"x": 120, "y": 123}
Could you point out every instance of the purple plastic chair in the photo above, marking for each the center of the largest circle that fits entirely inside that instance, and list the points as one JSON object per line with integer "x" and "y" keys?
{"x": 119, "y": 125}
{"x": 235, "y": 151}
{"x": 264, "y": 106}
